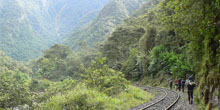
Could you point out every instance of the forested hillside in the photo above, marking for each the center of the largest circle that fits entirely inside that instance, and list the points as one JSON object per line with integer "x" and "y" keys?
{"x": 108, "y": 19}
{"x": 106, "y": 51}
{"x": 29, "y": 26}
{"x": 17, "y": 36}
{"x": 175, "y": 39}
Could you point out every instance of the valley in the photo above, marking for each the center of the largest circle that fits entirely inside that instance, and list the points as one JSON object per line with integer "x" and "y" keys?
{"x": 109, "y": 54}
{"x": 28, "y": 27}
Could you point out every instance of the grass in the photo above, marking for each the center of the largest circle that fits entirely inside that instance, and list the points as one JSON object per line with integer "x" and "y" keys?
{"x": 83, "y": 98}
{"x": 133, "y": 97}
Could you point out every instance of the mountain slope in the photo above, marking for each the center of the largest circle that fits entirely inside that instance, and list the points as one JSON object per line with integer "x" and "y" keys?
{"x": 72, "y": 14}
{"x": 17, "y": 36}
{"x": 112, "y": 15}
{"x": 132, "y": 34}
{"x": 29, "y": 26}
{"x": 143, "y": 46}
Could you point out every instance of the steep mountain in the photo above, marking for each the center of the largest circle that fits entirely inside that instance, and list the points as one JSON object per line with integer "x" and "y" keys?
{"x": 17, "y": 36}
{"x": 29, "y": 26}
{"x": 131, "y": 34}
{"x": 112, "y": 15}
{"x": 143, "y": 46}
{"x": 71, "y": 15}
{"x": 175, "y": 39}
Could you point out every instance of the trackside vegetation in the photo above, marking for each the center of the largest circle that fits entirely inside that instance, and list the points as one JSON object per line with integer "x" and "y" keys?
{"x": 94, "y": 87}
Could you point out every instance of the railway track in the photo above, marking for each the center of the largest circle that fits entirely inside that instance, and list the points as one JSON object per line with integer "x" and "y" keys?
{"x": 165, "y": 101}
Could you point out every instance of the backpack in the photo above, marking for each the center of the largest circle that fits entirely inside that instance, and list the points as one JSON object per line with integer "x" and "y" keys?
{"x": 171, "y": 81}
{"x": 187, "y": 82}
{"x": 183, "y": 82}
{"x": 176, "y": 81}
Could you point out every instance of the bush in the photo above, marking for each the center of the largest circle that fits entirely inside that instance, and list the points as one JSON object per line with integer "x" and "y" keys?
{"x": 39, "y": 85}
{"x": 165, "y": 62}
{"x": 131, "y": 66}
{"x": 58, "y": 63}
{"x": 83, "y": 98}
{"x": 61, "y": 87}
{"x": 107, "y": 80}
{"x": 14, "y": 90}
{"x": 80, "y": 98}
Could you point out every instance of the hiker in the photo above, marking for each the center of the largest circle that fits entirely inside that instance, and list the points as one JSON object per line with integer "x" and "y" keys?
{"x": 183, "y": 84}
{"x": 176, "y": 84}
{"x": 171, "y": 83}
{"x": 190, "y": 86}
{"x": 179, "y": 84}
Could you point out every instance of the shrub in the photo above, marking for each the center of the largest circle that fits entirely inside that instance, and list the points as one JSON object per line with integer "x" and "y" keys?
{"x": 83, "y": 98}
{"x": 166, "y": 62}
{"x": 14, "y": 90}
{"x": 61, "y": 87}
{"x": 107, "y": 80}
{"x": 39, "y": 85}
{"x": 80, "y": 98}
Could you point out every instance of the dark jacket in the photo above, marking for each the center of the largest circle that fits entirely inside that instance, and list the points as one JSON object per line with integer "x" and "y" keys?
{"x": 191, "y": 86}
{"x": 183, "y": 82}
{"x": 179, "y": 82}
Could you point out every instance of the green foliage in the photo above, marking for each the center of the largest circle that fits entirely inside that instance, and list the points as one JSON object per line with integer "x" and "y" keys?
{"x": 53, "y": 88}
{"x": 75, "y": 100}
{"x": 140, "y": 34}
{"x": 14, "y": 83}
{"x": 105, "y": 79}
{"x": 14, "y": 90}
{"x": 17, "y": 36}
{"x": 61, "y": 87}
{"x": 131, "y": 66}
{"x": 7, "y": 63}
{"x": 39, "y": 85}
{"x": 83, "y": 98}
{"x": 117, "y": 47}
{"x": 181, "y": 67}
{"x": 58, "y": 63}
{"x": 101, "y": 88}
{"x": 198, "y": 22}
{"x": 133, "y": 96}
{"x": 168, "y": 63}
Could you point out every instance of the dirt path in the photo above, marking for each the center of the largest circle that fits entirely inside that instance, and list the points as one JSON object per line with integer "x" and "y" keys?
{"x": 183, "y": 103}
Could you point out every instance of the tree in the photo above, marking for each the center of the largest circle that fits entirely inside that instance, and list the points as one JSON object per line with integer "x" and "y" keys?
{"x": 107, "y": 80}
{"x": 58, "y": 63}
{"x": 198, "y": 21}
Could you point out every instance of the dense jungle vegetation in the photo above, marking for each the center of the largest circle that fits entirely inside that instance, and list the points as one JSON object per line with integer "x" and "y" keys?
{"x": 129, "y": 42}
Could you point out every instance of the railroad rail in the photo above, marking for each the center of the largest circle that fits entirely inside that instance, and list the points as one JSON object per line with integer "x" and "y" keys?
{"x": 165, "y": 102}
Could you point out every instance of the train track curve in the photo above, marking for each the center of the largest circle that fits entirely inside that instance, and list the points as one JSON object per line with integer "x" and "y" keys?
{"x": 164, "y": 101}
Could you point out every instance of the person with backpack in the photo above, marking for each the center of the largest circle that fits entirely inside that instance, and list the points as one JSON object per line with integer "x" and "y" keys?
{"x": 183, "y": 84}
{"x": 171, "y": 83}
{"x": 179, "y": 84}
{"x": 176, "y": 84}
{"x": 190, "y": 86}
